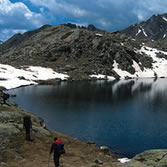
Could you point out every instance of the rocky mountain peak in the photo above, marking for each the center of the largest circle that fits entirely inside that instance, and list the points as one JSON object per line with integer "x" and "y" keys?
{"x": 154, "y": 28}
{"x": 90, "y": 27}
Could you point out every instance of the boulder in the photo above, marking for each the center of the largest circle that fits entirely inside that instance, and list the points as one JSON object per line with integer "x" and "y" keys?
{"x": 97, "y": 161}
{"x": 8, "y": 129}
{"x": 151, "y": 158}
{"x": 3, "y": 164}
{"x": 104, "y": 148}
{"x": 40, "y": 131}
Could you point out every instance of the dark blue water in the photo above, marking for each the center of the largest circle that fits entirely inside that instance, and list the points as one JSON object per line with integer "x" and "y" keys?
{"x": 128, "y": 116}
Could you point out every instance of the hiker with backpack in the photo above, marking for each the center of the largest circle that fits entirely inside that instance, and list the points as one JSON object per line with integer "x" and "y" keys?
{"x": 58, "y": 149}
{"x": 27, "y": 125}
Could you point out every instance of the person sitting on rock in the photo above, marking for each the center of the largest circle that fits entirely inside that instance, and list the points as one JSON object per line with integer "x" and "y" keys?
{"x": 28, "y": 126}
{"x": 58, "y": 148}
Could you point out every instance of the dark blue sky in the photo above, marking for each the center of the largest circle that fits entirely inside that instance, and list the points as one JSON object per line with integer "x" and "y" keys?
{"x": 111, "y": 15}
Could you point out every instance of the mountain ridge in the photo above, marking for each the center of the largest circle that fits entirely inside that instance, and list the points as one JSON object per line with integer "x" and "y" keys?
{"x": 76, "y": 51}
{"x": 154, "y": 28}
{"x": 82, "y": 52}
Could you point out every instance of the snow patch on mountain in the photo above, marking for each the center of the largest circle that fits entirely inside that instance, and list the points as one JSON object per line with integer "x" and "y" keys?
{"x": 100, "y": 76}
{"x": 120, "y": 72}
{"x": 159, "y": 65}
{"x": 11, "y": 77}
{"x": 144, "y": 32}
{"x": 124, "y": 160}
{"x": 139, "y": 31}
{"x": 164, "y": 18}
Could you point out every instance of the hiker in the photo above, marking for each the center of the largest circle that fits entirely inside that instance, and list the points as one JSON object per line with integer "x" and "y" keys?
{"x": 58, "y": 148}
{"x": 28, "y": 126}
{"x": 5, "y": 97}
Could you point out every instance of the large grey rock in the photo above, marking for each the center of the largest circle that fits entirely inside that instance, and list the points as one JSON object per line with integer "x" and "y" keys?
{"x": 10, "y": 116}
{"x": 40, "y": 131}
{"x": 17, "y": 117}
{"x": 151, "y": 158}
{"x": 3, "y": 163}
{"x": 8, "y": 129}
{"x": 104, "y": 148}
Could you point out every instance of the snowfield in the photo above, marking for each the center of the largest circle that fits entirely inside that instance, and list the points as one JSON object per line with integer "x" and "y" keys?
{"x": 11, "y": 77}
{"x": 159, "y": 65}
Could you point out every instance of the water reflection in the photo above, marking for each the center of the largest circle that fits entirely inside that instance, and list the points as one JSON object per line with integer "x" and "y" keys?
{"x": 127, "y": 115}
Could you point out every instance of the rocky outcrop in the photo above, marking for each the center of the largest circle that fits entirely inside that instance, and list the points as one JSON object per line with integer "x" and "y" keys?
{"x": 151, "y": 158}
{"x": 11, "y": 126}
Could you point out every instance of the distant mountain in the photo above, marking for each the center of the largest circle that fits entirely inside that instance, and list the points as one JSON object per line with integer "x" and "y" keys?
{"x": 82, "y": 52}
{"x": 1, "y": 42}
{"x": 154, "y": 28}
{"x": 18, "y": 38}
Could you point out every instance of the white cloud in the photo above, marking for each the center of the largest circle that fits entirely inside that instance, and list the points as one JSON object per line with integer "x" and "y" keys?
{"x": 7, "y": 33}
{"x": 110, "y": 15}
{"x": 141, "y": 9}
{"x": 154, "y": 5}
{"x": 104, "y": 23}
{"x": 18, "y": 15}
{"x": 62, "y": 7}
{"x": 141, "y": 14}
{"x": 115, "y": 3}
{"x": 144, "y": 9}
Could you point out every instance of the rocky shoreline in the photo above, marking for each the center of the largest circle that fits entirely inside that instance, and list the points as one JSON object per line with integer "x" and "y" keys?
{"x": 16, "y": 151}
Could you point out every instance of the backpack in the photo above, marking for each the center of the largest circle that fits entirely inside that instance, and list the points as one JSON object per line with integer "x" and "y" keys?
{"x": 59, "y": 147}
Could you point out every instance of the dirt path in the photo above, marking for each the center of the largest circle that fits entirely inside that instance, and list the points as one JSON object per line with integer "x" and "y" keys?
{"x": 78, "y": 154}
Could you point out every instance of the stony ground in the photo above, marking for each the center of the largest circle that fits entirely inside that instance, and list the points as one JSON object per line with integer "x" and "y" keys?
{"x": 19, "y": 152}
{"x": 78, "y": 154}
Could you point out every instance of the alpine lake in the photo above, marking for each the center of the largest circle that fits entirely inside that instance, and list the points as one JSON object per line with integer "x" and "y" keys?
{"x": 128, "y": 116}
